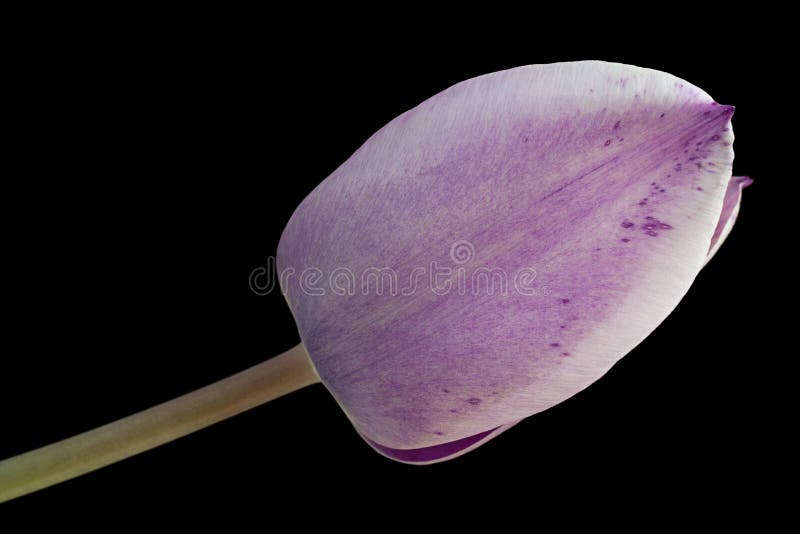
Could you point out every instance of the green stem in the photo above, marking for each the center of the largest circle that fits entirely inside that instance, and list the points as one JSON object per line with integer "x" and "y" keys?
{"x": 145, "y": 430}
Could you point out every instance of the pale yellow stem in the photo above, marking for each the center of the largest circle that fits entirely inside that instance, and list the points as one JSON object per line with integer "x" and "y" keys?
{"x": 145, "y": 430}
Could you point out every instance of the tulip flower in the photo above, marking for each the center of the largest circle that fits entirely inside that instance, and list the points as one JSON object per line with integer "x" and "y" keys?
{"x": 481, "y": 258}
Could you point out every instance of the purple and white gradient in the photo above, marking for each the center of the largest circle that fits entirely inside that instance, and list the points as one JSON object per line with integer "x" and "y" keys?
{"x": 609, "y": 180}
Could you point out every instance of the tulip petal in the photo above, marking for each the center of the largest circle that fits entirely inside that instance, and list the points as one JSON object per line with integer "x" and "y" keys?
{"x": 730, "y": 211}
{"x": 454, "y": 449}
{"x": 439, "y": 453}
{"x": 595, "y": 187}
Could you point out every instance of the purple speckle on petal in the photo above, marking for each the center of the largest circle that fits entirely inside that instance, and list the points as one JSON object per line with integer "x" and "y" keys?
{"x": 661, "y": 116}
{"x": 627, "y": 224}
{"x": 565, "y": 353}
{"x": 653, "y": 224}
{"x": 616, "y": 125}
{"x": 564, "y": 301}
{"x": 678, "y": 167}
{"x": 474, "y": 401}
{"x": 439, "y": 433}
{"x": 608, "y": 142}
{"x": 555, "y": 345}
{"x": 699, "y": 188}
{"x": 625, "y": 240}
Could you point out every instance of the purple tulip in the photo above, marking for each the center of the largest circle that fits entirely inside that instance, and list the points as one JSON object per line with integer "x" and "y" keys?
{"x": 481, "y": 258}
{"x": 605, "y": 184}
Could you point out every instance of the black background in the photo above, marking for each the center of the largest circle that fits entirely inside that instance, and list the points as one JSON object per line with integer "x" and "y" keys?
{"x": 160, "y": 173}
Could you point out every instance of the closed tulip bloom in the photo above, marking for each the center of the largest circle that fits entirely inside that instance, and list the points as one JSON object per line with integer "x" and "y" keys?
{"x": 593, "y": 191}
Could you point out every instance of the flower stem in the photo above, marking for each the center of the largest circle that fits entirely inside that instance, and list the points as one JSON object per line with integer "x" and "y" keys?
{"x": 150, "y": 428}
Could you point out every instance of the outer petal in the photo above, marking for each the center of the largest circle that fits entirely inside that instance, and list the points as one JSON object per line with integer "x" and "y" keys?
{"x": 439, "y": 453}
{"x": 602, "y": 183}
{"x": 730, "y": 210}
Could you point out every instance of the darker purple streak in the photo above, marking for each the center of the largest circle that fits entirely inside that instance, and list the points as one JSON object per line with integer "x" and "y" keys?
{"x": 427, "y": 454}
